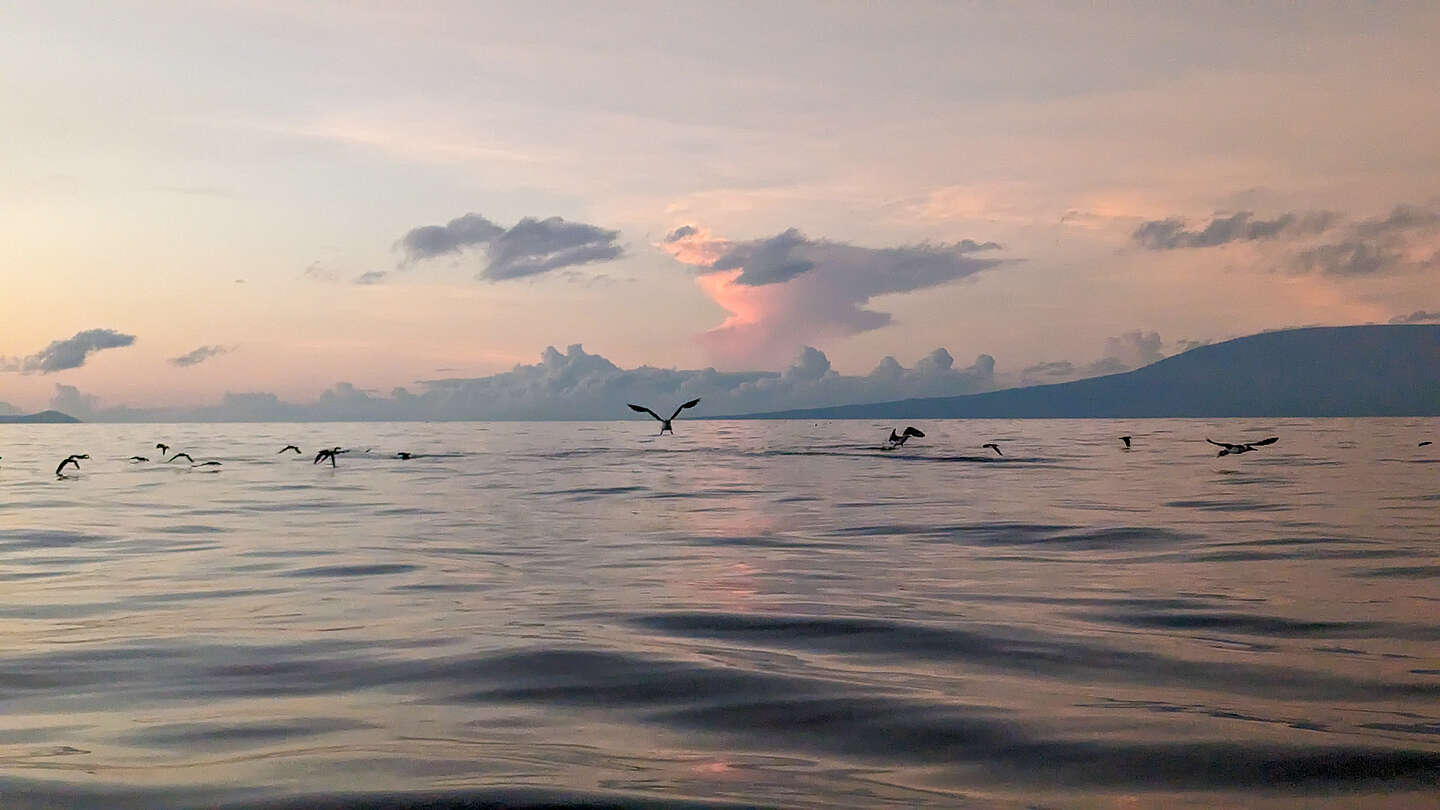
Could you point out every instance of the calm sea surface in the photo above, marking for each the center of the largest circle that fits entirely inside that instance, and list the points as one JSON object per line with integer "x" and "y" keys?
{"x": 747, "y": 613}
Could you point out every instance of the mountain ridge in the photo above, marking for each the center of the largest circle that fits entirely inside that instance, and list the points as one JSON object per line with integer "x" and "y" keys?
{"x": 48, "y": 417}
{"x": 1323, "y": 371}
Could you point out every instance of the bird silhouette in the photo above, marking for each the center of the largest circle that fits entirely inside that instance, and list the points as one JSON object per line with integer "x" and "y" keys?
{"x": 330, "y": 454}
{"x": 163, "y": 448}
{"x": 995, "y": 447}
{"x": 1227, "y": 449}
{"x": 1126, "y": 440}
{"x": 289, "y": 447}
{"x": 899, "y": 439}
{"x": 72, "y": 459}
{"x": 185, "y": 456}
{"x": 1426, "y": 444}
{"x": 665, "y": 423}
{"x": 138, "y": 459}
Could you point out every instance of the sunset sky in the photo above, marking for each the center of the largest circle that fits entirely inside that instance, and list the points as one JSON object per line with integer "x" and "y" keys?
{"x": 284, "y": 196}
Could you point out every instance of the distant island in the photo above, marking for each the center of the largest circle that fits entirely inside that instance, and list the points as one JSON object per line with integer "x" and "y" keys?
{"x": 41, "y": 418}
{"x": 1319, "y": 371}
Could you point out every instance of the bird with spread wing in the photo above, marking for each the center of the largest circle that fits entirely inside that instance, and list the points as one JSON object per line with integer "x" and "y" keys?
{"x": 665, "y": 423}
{"x": 899, "y": 439}
{"x": 1227, "y": 449}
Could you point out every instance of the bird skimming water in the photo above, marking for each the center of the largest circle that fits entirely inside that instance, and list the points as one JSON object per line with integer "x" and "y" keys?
{"x": 330, "y": 453}
{"x": 665, "y": 423}
{"x": 1227, "y": 449}
{"x": 899, "y": 439}
{"x": 993, "y": 446}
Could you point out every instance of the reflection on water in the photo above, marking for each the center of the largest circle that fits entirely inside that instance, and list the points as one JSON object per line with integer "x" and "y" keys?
{"x": 774, "y": 614}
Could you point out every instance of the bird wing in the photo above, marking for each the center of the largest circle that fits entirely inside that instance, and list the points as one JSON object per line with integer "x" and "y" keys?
{"x": 185, "y": 455}
{"x": 692, "y": 403}
{"x": 1264, "y": 442}
{"x": 67, "y": 461}
{"x": 1223, "y": 444}
{"x": 910, "y": 431}
{"x": 1425, "y": 444}
{"x": 642, "y": 409}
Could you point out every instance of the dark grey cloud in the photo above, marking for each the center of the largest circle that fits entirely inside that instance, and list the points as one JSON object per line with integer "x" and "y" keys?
{"x": 1352, "y": 257}
{"x": 372, "y": 277}
{"x": 1418, "y": 316}
{"x": 432, "y": 241}
{"x": 1171, "y": 234}
{"x": 68, "y": 353}
{"x": 1381, "y": 245}
{"x": 1400, "y": 219}
{"x": 575, "y": 384}
{"x": 768, "y": 261}
{"x": 199, "y": 355}
{"x": 530, "y": 247}
{"x": 680, "y": 233}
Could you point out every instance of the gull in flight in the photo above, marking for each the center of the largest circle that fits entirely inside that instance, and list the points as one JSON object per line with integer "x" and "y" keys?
{"x": 73, "y": 458}
{"x": 185, "y": 456}
{"x": 289, "y": 447}
{"x": 899, "y": 439}
{"x": 993, "y": 446}
{"x": 1126, "y": 440}
{"x": 330, "y": 454}
{"x": 1227, "y": 449}
{"x": 665, "y": 423}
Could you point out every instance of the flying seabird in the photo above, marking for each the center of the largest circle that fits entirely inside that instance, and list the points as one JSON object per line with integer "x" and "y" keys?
{"x": 898, "y": 439}
{"x": 207, "y": 464}
{"x": 1426, "y": 444}
{"x": 404, "y": 455}
{"x": 665, "y": 423}
{"x": 1126, "y": 440}
{"x": 330, "y": 454}
{"x": 185, "y": 456}
{"x": 60, "y": 470}
{"x": 138, "y": 459}
{"x": 1227, "y": 449}
{"x": 163, "y": 448}
{"x": 289, "y": 447}
{"x": 993, "y": 446}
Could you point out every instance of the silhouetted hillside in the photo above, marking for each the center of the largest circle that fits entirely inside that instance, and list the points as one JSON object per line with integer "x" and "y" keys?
{"x": 43, "y": 417}
{"x": 1322, "y": 371}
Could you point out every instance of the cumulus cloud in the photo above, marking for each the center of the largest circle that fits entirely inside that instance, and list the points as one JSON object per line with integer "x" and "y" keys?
{"x": 530, "y": 247}
{"x": 69, "y": 399}
{"x": 575, "y": 384}
{"x": 1124, "y": 352}
{"x": 372, "y": 277}
{"x": 194, "y": 357}
{"x": 1171, "y": 234}
{"x": 1418, "y": 316}
{"x": 69, "y": 353}
{"x": 788, "y": 290}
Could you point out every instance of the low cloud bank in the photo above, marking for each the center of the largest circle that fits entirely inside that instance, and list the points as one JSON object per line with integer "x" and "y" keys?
{"x": 575, "y": 384}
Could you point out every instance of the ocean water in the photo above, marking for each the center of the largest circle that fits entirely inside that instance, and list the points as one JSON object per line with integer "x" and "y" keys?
{"x": 772, "y": 614}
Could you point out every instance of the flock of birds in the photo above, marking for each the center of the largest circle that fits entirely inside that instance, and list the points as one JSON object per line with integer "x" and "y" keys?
{"x": 896, "y": 439}
{"x": 326, "y": 454}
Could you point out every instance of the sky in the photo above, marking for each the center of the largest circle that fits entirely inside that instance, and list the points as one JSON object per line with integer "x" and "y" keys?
{"x": 254, "y": 207}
